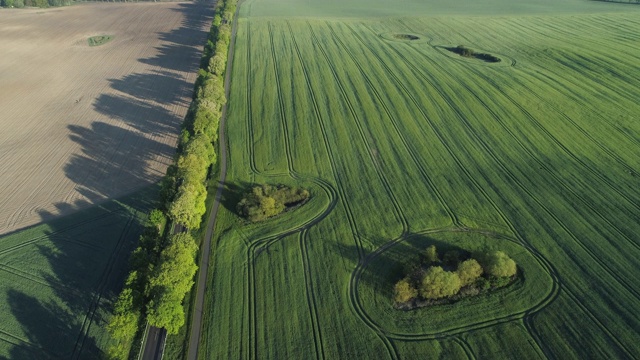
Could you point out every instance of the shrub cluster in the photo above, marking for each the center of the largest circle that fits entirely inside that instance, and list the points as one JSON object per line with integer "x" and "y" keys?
{"x": 265, "y": 201}
{"x": 431, "y": 281}
{"x": 163, "y": 267}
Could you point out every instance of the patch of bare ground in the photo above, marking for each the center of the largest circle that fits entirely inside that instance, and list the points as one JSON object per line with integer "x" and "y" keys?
{"x": 83, "y": 124}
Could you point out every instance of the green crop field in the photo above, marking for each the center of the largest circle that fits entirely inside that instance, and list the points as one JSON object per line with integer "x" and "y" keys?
{"x": 404, "y": 144}
{"x": 59, "y": 280}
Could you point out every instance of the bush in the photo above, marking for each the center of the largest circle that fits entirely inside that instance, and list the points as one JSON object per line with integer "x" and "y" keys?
{"x": 18, "y": 3}
{"x": 431, "y": 255}
{"x": 469, "y": 271}
{"x": 438, "y": 283}
{"x": 404, "y": 291}
{"x": 498, "y": 264}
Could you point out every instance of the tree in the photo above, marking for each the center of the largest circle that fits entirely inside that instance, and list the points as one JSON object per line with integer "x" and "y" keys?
{"x": 188, "y": 206}
{"x": 192, "y": 168}
{"x": 218, "y": 63}
{"x": 404, "y": 291}
{"x": 431, "y": 255}
{"x": 438, "y": 283}
{"x": 172, "y": 279}
{"x": 212, "y": 89}
{"x": 123, "y": 325}
{"x": 498, "y": 264}
{"x": 206, "y": 119}
{"x": 201, "y": 146}
{"x": 469, "y": 271}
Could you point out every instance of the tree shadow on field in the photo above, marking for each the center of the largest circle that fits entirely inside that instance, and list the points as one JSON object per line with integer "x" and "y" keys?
{"x": 68, "y": 276}
{"x": 232, "y": 193}
{"x": 177, "y": 53}
{"x": 73, "y": 271}
{"x": 152, "y": 87}
{"x": 383, "y": 270}
{"x": 114, "y": 160}
{"x": 144, "y": 111}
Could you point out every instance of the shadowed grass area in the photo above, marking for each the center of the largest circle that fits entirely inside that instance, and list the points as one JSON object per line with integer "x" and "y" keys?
{"x": 60, "y": 279}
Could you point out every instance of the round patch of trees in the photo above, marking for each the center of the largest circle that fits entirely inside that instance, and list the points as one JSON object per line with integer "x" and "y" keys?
{"x": 431, "y": 280}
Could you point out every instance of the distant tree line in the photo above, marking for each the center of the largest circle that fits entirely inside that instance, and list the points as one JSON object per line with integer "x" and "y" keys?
{"x": 431, "y": 280}
{"x": 52, "y": 3}
{"x": 163, "y": 265}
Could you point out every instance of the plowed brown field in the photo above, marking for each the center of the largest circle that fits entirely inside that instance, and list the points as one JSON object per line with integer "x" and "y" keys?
{"x": 82, "y": 124}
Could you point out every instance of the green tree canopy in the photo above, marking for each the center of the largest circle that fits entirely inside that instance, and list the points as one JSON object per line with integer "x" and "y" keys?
{"x": 189, "y": 205}
{"x": 498, "y": 264}
{"x": 404, "y": 291}
{"x": 469, "y": 271}
{"x": 438, "y": 283}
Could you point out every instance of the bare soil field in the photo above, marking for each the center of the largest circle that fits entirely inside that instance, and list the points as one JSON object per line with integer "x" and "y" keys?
{"x": 82, "y": 124}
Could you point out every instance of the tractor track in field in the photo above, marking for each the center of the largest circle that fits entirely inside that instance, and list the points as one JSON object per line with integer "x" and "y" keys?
{"x": 540, "y": 258}
{"x": 283, "y": 117}
{"x": 261, "y": 245}
{"x": 575, "y": 124}
{"x": 399, "y": 213}
{"x": 455, "y": 221}
{"x": 330, "y": 155}
{"x": 533, "y": 121}
{"x": 560, "y": 182}
{"x": 558, "y": 221}
{"x": 428, "y": 120}
{"x": 102, "y": 285}
{"x": 468, "y": 350}
{"x": 57, "y": 286}
{"x": 58, "y": 231}
{"x": 625, "y": 285}
{"x": 515, "y": 180}
{"x": 532, "y": 155}
{"x": 355, "y": 300}
{"x": 258, "y": 246}
{"x": 571, "y": 93}
{"x": 311, "y": 296}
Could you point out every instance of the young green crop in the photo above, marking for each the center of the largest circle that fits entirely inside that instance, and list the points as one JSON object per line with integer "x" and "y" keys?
{"x": 397, "y": 140}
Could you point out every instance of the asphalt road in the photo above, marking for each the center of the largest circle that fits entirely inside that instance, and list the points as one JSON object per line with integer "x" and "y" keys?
{"x": 154, "y": 344}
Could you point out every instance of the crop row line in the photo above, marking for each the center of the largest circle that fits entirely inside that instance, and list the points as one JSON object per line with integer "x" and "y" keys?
{"x": 554, "y": 291}
{"x": 385, "y": 182}
{"x": 533, "y": 197}
{"x": 396, "y": 127}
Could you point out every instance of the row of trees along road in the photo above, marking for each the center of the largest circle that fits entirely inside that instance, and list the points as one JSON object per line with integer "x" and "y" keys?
{"x": 163, "y": 266}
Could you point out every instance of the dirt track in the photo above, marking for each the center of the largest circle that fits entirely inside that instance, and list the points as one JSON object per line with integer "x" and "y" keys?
{"x": 82, "y": 124}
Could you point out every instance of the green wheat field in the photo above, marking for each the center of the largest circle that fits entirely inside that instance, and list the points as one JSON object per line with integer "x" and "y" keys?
{"x": 404, "y": 144}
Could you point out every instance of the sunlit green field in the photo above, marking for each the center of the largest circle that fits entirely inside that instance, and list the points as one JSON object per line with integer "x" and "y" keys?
{"x": 404, "y": 144}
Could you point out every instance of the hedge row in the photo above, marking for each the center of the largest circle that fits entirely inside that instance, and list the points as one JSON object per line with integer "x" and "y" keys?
{"x": 163, "y": 267}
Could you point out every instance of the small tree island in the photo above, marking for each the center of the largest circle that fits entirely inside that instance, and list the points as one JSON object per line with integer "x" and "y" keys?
{"x": 431, "y": 281}
{"x": 265, "y": 201}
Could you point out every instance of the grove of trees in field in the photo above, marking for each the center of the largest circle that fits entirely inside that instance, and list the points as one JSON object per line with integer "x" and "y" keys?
{"x": 164, "y": 264}
{"x": 432, "y": 281}
{"x": 265, "y": 201}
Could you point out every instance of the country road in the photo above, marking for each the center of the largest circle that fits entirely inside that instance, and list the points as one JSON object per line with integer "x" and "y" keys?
{"x": 154, "y": 345}
{"x": 201, "y": 284}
